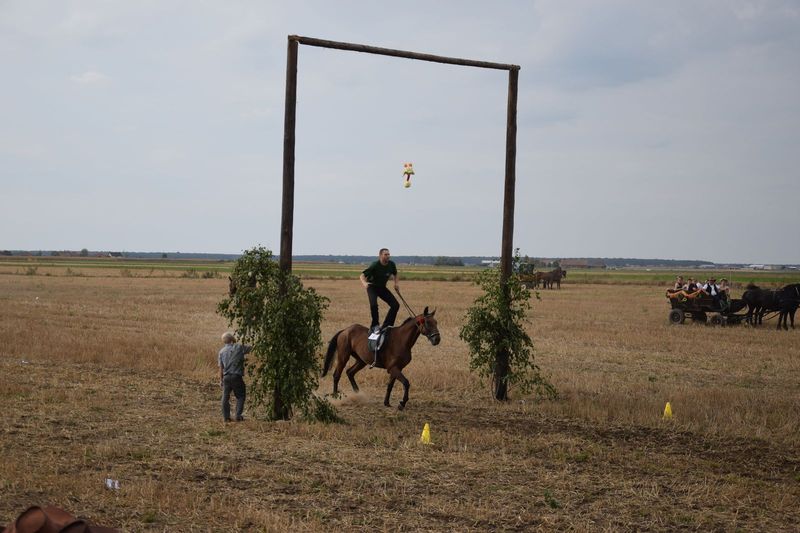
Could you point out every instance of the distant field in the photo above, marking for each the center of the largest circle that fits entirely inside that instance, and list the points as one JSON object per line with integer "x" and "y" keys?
{"x": 150, "y": 268}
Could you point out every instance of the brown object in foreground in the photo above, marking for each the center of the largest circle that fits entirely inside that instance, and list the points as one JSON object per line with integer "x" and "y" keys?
{"x": 52, "y": 520}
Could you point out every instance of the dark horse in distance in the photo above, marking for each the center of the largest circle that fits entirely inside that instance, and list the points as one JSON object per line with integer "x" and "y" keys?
{"x": 394, "y": 355}
{"x": 788, "y": 302}
{"x": 554, "y": 276}
{"x": 783, "y": 301}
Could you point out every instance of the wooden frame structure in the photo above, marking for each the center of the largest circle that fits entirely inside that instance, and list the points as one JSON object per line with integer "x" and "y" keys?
{"x": 287, "y": 213}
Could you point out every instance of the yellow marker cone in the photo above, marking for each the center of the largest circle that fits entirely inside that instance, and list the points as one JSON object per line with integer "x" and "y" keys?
{"x": 667, "y": 411}
{"x": 426, "y": 435}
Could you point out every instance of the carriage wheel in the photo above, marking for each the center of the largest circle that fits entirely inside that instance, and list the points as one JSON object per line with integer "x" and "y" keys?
{"x": 676, "y": 316}
{"x": 717, "y": 320}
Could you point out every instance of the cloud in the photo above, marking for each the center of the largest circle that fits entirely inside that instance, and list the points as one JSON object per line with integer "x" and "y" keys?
{"x": 90, "y": 77}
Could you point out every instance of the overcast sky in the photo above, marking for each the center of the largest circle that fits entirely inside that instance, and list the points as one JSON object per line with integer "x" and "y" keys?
{"x": 645, "y": 129}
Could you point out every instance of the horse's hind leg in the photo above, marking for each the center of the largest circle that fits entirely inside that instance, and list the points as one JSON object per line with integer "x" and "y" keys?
{"x": 351, "y": 372}
{"x": 340, "y": 364}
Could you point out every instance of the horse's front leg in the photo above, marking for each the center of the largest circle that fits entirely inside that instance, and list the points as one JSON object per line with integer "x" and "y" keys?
{"x": 388, "y": 392}
{"x": 783, "y": 320}
{"x": 397, "y": 374}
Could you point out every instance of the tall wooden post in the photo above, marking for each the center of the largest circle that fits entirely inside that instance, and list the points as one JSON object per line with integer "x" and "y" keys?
{"x": 280, "y": 410}
{"x": 287, "y": 215}
{"x": 287, "y": 212}
{"x": 501, "y": 366}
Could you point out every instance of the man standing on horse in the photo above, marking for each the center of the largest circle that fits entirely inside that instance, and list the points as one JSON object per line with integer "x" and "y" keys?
{"x": 374, "y": 279}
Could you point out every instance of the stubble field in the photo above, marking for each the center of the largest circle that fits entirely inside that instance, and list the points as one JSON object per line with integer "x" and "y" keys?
{"x": 114, "y": 376}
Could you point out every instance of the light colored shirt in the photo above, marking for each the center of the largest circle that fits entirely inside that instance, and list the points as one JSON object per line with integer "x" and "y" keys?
{"x": 231, "y": 359}
{"x": 711, "y": 289}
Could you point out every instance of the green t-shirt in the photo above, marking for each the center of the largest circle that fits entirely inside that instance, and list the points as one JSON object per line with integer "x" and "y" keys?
{"x": 378, "y": 274}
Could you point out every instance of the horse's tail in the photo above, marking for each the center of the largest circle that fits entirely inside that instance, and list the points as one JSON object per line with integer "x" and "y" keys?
{"x": 329, "y": 355}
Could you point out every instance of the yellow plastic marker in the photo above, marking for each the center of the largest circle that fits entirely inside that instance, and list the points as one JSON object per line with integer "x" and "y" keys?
{"x": 426, "y": 434}
{"x": 667, "y": 411}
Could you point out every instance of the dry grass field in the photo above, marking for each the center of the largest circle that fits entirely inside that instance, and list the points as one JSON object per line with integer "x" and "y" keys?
{"x": 114, "y": 376}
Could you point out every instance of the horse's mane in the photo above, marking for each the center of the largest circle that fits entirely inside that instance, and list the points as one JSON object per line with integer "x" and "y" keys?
{"x": 407, "y": 320}
{"x": 751, "y": 286}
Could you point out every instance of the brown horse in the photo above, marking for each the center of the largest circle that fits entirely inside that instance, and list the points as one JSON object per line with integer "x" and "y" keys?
{"x": 393, "y": 356}
{"x": 554, "y": 276}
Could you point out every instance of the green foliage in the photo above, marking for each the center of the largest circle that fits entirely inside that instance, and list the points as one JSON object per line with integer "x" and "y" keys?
{"x": 496, "y": 323}
{"x": 273, "y": 312}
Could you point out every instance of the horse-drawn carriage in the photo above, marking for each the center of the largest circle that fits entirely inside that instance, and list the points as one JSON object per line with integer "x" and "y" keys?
{"x": 701, "y": 307}
{"x": 532, "y": 278}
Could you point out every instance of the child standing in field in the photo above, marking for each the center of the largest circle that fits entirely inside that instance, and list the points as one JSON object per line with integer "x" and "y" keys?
{"x": 231, "y": 375}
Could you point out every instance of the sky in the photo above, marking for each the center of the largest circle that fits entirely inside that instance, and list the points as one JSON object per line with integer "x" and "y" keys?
{"x": 645, "y": 129}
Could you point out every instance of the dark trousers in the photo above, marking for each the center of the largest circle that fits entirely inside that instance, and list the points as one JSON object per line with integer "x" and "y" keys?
{"x": 383, "y": 293}
{"x": 235, "y": 384}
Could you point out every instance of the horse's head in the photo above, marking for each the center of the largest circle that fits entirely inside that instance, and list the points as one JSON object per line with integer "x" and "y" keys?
{"x": 429, "y": 327}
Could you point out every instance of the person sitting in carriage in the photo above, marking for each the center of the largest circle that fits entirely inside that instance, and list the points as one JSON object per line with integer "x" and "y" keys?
{"x": 724, "y": 294}
{"x": 712, "y": 289}
{"x": 691, "y": 285}
{"x": 679, "y": 285}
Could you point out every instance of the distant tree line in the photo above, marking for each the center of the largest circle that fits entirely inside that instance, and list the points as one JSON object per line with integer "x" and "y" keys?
{"x": 611, "y": 262}
{"x": 448, "y": 261}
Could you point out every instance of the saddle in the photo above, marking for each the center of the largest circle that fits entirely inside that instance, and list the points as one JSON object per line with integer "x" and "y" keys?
{"x": 51, "y": 519}
{"x": 375, "y": 342}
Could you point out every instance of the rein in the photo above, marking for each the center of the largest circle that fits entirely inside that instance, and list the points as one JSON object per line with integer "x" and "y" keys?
{"x": 420, "y": 321}
{"x": 408, "y": 307}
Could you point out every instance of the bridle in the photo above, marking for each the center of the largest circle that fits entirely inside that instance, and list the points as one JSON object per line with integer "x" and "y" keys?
{"x": 422, "y": 326}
